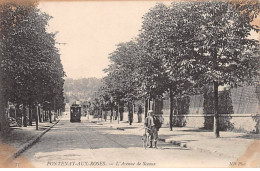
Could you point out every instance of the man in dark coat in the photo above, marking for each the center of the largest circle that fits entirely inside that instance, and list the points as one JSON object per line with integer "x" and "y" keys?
{"x": 157, "y": 126}
{"x": 150, "y": 125}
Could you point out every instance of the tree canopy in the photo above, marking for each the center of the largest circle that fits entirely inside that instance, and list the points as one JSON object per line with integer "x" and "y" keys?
{"x": 185, "y": 46}
{"x": 30, "y": 63}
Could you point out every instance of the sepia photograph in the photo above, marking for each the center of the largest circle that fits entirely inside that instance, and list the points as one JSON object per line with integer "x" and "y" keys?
{"x": 129, "y": 84}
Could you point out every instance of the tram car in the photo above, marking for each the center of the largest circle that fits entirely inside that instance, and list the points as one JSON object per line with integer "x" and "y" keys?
{"x": 75, "y": 113}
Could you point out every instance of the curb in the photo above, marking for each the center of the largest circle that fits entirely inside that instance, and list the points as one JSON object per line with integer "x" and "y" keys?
{"x": 31, "y": 142}
{"x": 118, "y": 128}
{"x": 174, "y": 142}
{"x": 184, "y": 145}
{"x": 96, "y": 122}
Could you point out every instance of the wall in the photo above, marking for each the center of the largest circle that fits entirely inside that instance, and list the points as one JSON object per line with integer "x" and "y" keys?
{"x": 244, "y": 102}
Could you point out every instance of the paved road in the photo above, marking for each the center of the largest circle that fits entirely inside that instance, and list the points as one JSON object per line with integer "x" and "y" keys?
{"x": 87, "y": 144}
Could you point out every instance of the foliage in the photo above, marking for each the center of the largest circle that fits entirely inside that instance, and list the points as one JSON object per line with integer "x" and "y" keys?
{"x": 122, "y": 70}
{"x": 165, "y": 39}
{"x": 31, "y": 66}
{"x": 186, "y": 47}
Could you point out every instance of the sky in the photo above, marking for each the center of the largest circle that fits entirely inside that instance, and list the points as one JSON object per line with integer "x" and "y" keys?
{"x": 91, "y": 30}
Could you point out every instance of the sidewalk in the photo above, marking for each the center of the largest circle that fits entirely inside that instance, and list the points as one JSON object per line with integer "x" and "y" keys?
{"x": 230, "y": 144}
{"x": 21, "y": 138}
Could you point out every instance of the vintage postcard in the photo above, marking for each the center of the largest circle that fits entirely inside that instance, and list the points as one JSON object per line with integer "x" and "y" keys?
{"x": 129, "y": 84}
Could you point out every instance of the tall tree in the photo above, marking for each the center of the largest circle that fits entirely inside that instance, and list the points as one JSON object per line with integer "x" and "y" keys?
{"x": 31, "y": 62}
{"x": 12, "y": 15}
{"x": 123, "y": 72}
{"x": 223, "y": 52}
{"x": 150, "y": 71}
{"x": 165, "y": 30}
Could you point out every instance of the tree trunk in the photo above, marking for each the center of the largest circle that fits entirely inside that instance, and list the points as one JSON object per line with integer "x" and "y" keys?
{"x": 50, "y": 115}
{"x": 116, "y": 113}
{"x": 153, "y": 107}
{"x": 171, "y": 109}
{"x": 111, "y": 114}
{"x": 121, "y": 111}
{"x": 37, "y": 117}
{"x": 2, "y": 108}
{"x": 105, "y": 115}
{"x": 44, "y": 116}
{"x": 139, "y": 112}
{"x": 4, "y": 124}
{"x": 121, "y": 116}
{"x": 176, "y": 113}
{"x": 101, "y": 115}
{"x": 145, "y": 107}
{"x": 54, "y": 110}
{"x": 30, "y": 115}
{"x": 149, "y": 104}
{"x": 216, "y": 116}
{"x": 15, "y": 111}
{"x": 40, "y": 115}
{"x": 130, "y": 113}
{"x": 24, "y": 116}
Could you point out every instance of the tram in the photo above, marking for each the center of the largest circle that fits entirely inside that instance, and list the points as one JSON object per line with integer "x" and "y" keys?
{"x": 75, "y": 113}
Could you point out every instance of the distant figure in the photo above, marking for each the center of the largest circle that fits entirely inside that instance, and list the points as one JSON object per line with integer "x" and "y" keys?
{"x": 149, "y": 123}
